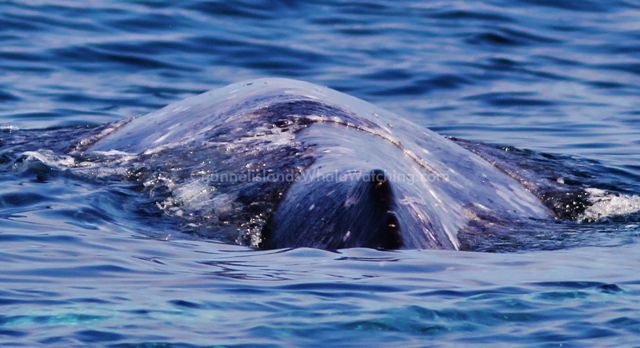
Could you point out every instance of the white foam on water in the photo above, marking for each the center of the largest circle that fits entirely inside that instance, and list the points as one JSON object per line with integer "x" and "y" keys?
{"x": 50, "y": 159}
{"x": 605, "y": 204}
{"x": 8, "y": 127}
{"x": 97, "y": 169}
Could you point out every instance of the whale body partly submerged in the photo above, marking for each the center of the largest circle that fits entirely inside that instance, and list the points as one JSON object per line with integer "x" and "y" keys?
{"x": 284, "y": 163}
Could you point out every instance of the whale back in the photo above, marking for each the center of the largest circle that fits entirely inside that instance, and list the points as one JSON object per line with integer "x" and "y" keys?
{"x": 306, "y": 150}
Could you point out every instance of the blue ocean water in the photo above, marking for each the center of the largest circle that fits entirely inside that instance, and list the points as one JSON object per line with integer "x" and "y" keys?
{"x": 79, "y": 266}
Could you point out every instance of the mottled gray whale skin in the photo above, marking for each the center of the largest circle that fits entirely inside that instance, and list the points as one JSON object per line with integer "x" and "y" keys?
{"x": 285, "y": 163}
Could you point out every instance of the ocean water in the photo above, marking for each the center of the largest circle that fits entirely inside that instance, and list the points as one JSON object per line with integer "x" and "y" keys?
{"x": 81, "y": 266}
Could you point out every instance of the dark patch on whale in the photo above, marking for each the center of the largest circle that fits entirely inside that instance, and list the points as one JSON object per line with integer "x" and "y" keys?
{"x": 365, "y": 217}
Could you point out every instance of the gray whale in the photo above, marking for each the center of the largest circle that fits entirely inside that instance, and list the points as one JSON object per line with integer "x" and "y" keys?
{"x": 278, "y": 163}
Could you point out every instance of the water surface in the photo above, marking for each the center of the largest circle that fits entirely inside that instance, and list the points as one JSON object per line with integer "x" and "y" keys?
{"x": 80, "y": 265}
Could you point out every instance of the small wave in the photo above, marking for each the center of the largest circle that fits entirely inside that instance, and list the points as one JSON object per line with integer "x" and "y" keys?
{"x": 101, "y": 165}
{"x": 473, "y": 15}
{"x": 510, "y": 99}
{"x": 48, "y": 158}
{"x": 509, "y": 37}
{"x": 424, "y": 86}
{"x": 6, "y": 96}
{"x": 573, "y": 5}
